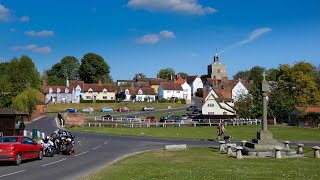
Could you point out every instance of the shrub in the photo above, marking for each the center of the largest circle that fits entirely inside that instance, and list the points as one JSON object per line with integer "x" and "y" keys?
{"x": 183, "y": 101}
{"x": 176, "y": 100}
{"x": 86, "y": 101}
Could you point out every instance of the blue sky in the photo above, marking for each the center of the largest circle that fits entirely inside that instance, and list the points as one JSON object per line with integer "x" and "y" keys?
{"x": 145, "y": 36}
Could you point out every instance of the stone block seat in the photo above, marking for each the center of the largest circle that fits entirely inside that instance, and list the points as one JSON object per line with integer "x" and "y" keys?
{"x": 264, "y": 146}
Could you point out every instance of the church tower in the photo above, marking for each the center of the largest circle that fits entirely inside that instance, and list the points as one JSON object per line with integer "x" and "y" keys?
{"x": 217, "y": 70}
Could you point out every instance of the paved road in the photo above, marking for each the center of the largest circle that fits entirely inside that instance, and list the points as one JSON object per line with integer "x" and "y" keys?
{"x": 92, "y": 153}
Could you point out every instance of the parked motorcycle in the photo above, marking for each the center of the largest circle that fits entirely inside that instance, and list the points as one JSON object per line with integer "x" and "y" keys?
{"x": 63, "y": 142}
{"x": 48, "y": 146}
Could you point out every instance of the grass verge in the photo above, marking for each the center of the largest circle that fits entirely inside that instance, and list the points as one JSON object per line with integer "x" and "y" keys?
{"x": 237, "y": 132}
{"x": 206, "y": 163}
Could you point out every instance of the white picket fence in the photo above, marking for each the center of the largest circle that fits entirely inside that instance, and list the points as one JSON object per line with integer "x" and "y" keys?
{"x": 41, "y": 135}
{"x": 183, "y": 123}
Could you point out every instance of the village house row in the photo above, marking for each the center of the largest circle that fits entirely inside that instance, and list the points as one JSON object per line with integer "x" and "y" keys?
{"x": 219, "y": 93}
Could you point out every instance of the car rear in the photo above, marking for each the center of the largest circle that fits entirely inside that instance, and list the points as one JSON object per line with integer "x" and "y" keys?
{"x": 8, "y": 151}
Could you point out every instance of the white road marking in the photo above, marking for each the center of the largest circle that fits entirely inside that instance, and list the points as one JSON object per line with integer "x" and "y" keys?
{"x": 54, "y": 162}
{"x": 96, "y": 147}
{"x": 81, "y": 153}
{"x": 12, "y": 173}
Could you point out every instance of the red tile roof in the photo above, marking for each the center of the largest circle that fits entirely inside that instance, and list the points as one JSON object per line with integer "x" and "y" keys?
{"x": 171, "y": 86}
{"x": 156, "y": 81}
{"x": 309, "y": 109}
{"x": 180, "y": 81}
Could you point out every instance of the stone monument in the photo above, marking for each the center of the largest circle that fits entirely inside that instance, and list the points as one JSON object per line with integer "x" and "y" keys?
{"x": 264, "y": 145}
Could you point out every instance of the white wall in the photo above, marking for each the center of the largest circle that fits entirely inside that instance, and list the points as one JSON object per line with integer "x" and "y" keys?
{"x": 197, "y": 83}
{"x": 239, "y": 90}
{"x": 186, "y": 91}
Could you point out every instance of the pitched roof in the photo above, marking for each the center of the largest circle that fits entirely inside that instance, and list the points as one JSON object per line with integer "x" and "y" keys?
{"x": 99, "y": 87}
{"x": 74, "y": 84}
{"x": 171, "y": 86}
{"x": 309, "y": 109}
{"x": 180, "y": 81}
{"x": 54, "y": 88}
{"x": 156, "y": 81}
{"x": 11, "y": 112}
{"x": 141, "y": 84}
{"x": 190, "y": 79}
{"x": 135, "y": 90}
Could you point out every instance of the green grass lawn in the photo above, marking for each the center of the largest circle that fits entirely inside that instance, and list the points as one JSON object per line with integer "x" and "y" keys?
{"x": 207, "y": 163}
{"x": 238, "y": 132}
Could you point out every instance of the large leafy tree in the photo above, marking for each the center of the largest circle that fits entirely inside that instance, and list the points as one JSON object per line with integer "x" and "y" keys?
{"x": 301, "y": 78}
{"x": 93, "y": 68}
{"x": 67, "y": 68}
{"x": 139, "y": 76}
{"x": 167, "y": 73}
{"x": 26, "y": 101}
{"x": 22, "y": 74}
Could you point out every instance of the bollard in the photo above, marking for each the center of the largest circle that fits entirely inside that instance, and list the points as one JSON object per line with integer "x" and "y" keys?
{"x": 239, "y": 152}
{"x": 286, "y": 144}
{"x": 278, "y": 152}
{"x": 221, "y": 147}
{"x": 229, "y": 150}
{"x": 300, "y": 148}
{"x": 243, "y": 143}
{"x": 316, "y": 151}
{"x": 42, "y": 135}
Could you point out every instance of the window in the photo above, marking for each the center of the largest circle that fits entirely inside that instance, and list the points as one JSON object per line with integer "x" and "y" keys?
{"x": 210, "y": 113}
{"x": 140, "y": 92}
{"x": 105, "y": 92}
{"x": 177, "y": 92}
{"x": 139, "y": 98}
{"x": 219, "y": 71}
{"x": 210, "y": 105}
{"x": 105, "y": 97}
{"x": 27, "y": 141}
{"x": 127, "y": 92}
{"x": 90, "y": 92}
{"x": 88, "y": 97}
{"x": 168, "y": 91}
{"x": 111, "y": 98}
{"x": 185, "y": 90}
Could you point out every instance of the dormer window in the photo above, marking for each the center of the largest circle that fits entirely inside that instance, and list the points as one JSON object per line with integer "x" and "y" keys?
{"x": 140, "y": 92}
{"x": 126, "y": 92}
{"x": 66, "y": 90}
{"x": 105, "y": 91}
{"x": 50, "y": 90}
{"x": 90, "y": 91}
{"x": 58, "y": 90}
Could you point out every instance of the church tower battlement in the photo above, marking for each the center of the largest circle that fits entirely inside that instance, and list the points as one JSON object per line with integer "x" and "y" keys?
{"x": 216, "y": 70}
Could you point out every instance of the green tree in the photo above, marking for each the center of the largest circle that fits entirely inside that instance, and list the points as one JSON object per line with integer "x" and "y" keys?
{"x": 93, "y": 68}
{"x": 22, "y": 74}
{"x": 244, "y": 75}
{"x": 272, "y": 74}
{"x": 182, "y": 75}
{"x": 199, "y": 92}
{"x": 67, "y": 68}
{"x": 26, "y": 101}
{"x": 301, "y": 78}
{"x": 167, "y": 73}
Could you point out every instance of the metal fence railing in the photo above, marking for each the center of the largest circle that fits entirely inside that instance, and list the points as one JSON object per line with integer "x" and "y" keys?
{"x": 169, "y": 123}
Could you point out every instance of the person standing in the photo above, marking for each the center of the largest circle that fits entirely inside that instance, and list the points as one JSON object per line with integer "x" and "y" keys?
{"x": 219, "y": 131}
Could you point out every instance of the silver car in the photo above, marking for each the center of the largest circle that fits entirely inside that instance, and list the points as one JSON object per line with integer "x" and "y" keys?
{"x": 87, "y": 110}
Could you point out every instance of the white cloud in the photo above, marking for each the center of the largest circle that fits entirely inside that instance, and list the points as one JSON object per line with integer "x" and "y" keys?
{"x": 194, "y": 54}
{"x": 33, "y": 48}
{"x": 4, "y": 14}
{"x": 255, "y": 34}
{"x": 25, "y": 19}
{"x": 191, "y": 7}
{"x": 44, "y": 33}
{"x": 155, "y": 38}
